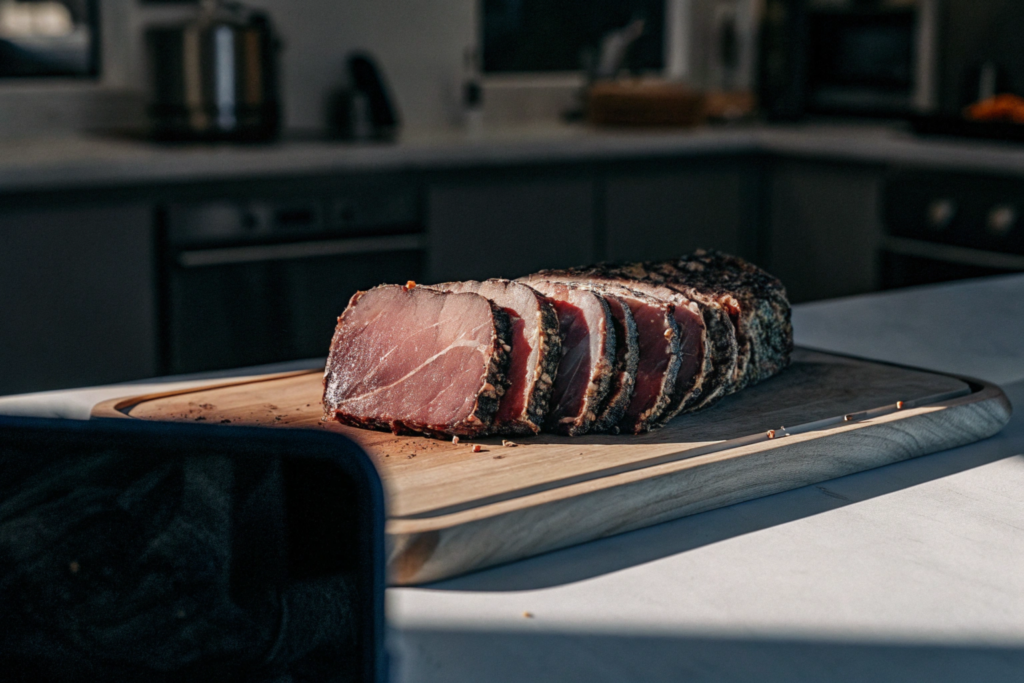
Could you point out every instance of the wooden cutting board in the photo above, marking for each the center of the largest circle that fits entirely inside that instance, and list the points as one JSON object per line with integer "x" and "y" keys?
{"x": 451, "y": 510}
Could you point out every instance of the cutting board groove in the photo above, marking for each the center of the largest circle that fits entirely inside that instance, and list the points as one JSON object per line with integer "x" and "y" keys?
{"x": 451, "y": 510}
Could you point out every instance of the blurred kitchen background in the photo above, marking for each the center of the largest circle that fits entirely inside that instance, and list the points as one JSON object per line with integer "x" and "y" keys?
{"x": 192, "y": 186}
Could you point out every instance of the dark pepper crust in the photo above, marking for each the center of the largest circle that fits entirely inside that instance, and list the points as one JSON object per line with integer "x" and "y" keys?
{"x": 600, "y": 380}
{"x": 550, "y": 355}
{"x": 765, "y": 311}
{"x": 486, "y": 402}
{"x": 624, "y": 375}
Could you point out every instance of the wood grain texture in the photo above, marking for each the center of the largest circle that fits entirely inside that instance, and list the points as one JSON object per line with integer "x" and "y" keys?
{"x": 451, "y": 510}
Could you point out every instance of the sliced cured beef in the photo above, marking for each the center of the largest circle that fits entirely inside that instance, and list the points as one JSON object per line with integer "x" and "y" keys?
{"x": 659, "y": 338}
{"x": 586, "y": 367}
{"x": 627, "y": 357}
{"x": 536, "y": 351}
{"x": 416, "y": 360}
{"x": 700, "y": 371}
{"x": 722, "y": 373}
{"x": 755, "y": 301}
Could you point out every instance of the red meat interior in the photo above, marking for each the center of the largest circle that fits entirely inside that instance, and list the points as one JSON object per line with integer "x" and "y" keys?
{"x": 570, "y": 389}
{"x": 654, "y": 358}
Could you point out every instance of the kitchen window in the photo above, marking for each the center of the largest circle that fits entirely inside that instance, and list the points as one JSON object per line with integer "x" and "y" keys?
{"x": 44, "y": 38}
{"x": 565, "y": 35}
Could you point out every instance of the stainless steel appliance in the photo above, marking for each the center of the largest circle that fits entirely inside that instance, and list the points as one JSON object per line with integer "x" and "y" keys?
{"x": 215, "y": 77}
{"x": 874, "y": 57}
{"x": 948, "y": 226}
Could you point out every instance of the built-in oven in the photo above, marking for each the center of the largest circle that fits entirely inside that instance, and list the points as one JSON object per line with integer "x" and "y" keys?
{"x": 258, "y": 280}
{"x": 942, "y": 226}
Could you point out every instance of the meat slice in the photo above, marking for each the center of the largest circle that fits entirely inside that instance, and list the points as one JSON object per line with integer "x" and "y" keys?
{"x": 536, "y": 350}
{"x": 627, "y": 358}
{"x": 588, "y": 357}
{"x": 415, "y": 360}
{"x": 660, "y": 358}
{"x": 755, "y": 300}
{"x": 698, "y": 371}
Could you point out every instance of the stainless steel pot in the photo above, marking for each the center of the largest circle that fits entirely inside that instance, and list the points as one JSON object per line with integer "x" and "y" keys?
{"x": 215, "y": 77}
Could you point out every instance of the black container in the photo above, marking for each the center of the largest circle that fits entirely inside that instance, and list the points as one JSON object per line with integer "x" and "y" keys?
{"x": 168, "y": 552}
{"x": 216, "y": 77}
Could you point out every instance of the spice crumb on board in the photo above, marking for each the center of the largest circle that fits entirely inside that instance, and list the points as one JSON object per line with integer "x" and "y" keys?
{"x": 498, "y": 457}
{"x": 477, "y": 448}
{"x": 508, "y": 444}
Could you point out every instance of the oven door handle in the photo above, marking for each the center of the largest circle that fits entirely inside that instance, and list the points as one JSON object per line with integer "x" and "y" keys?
{"x": 292, "y": 251}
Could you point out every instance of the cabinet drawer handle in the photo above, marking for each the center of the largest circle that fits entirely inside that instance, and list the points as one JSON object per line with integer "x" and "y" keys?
{"x": 203, "y": 258}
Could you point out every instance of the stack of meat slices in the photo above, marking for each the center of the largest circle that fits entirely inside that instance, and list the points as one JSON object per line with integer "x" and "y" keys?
{"x": 604, "y": 348}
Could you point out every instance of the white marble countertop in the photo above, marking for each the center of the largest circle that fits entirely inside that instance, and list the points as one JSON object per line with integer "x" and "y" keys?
{"x": 910, "y": 572}
{"x": 91, "y": 162}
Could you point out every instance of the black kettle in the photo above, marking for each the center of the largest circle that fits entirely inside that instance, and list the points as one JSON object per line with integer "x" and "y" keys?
{"x": 215, "y": 77}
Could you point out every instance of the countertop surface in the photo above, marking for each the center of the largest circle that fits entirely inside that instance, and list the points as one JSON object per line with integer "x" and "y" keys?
{"x": 910, "y": 572}
{"x": 92, "y": 162}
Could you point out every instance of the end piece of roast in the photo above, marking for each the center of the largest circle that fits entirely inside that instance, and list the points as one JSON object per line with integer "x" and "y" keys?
{"x": 586, "y": 367}
{"x": 764, "y": 295}
{"x": 416, "y": 360}
{"x": 755, "y": 301}
{"x": 536, "y": 351}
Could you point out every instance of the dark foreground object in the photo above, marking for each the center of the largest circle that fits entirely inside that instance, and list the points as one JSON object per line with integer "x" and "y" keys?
{"x": 162, "y": 552}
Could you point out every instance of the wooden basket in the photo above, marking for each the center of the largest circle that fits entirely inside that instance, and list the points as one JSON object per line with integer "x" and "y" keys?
{"x": 644, "y": 102}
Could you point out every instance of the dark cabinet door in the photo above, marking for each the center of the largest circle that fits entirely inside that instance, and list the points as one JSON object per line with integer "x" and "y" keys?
{"x": 77, "y": 296}
{"x": 656, "y": 214}
{"x": 236, "y": 314}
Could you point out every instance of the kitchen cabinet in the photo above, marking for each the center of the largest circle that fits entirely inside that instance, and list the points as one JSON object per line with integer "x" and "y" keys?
{"x": 657, "y": 212}
{"x": 78, "y": 300}
{"x": 509, "y": 224}
{"x": 825, "y": 228}
{"x": 131, "y": 282}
